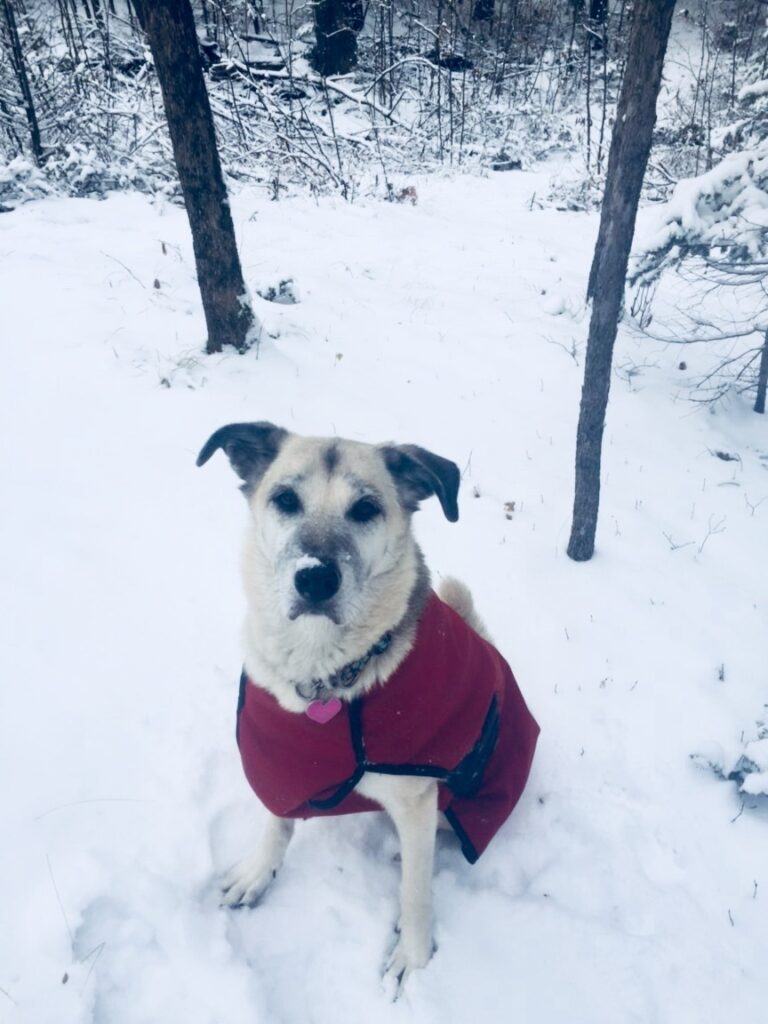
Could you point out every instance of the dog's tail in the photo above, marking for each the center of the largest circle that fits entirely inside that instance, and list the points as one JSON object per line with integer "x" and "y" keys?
{"x": 459, "y": 597}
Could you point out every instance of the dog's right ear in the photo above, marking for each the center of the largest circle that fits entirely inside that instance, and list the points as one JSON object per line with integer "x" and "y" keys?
{"x": 419, "y": 474}
{"x": 250, "y": 448}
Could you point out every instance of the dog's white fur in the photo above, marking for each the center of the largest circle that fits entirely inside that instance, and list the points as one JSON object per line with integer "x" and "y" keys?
{"x": 381, "y": 568}
{"x": 279, "y": 650}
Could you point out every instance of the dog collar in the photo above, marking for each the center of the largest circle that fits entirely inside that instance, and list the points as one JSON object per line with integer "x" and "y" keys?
{"x": 343, "y": 678}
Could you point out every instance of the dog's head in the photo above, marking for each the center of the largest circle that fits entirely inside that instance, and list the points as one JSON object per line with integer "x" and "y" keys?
{"x": 331, "y": 517}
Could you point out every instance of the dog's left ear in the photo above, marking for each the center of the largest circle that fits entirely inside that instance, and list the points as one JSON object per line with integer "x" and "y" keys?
{"x": 250, "y": 448}
{"x": 419, "y": 474}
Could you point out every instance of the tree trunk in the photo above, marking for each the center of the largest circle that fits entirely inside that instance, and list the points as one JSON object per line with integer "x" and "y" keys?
{"x": 598, "y": 16}
{"x": 20, "y": 69}
{"x": 483, "y": 10}
{"x": 171, "y": 34}
{"x": 337, "y": 23}
{"x": 595, "y": 21}
{"x": 598, "y": 11}
{"x": 762, "y": 377}
{"x": 98, "y": 13}
{"x": 630, "y": 147}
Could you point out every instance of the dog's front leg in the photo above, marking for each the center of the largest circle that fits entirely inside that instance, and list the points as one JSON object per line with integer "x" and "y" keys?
{"x": 412, "y": 805}
{"x": 249, "y": 880}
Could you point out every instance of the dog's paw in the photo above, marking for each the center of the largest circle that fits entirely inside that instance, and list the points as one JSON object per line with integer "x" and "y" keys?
{"x": 406, "y": 957}
{"x": 246, "y": 883}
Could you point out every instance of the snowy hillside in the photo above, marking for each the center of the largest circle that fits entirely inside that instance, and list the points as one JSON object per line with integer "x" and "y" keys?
{"x": 630, "y": 885}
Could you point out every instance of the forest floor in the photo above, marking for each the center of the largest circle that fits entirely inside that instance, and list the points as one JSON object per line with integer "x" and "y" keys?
{"x": 630, "y": 885}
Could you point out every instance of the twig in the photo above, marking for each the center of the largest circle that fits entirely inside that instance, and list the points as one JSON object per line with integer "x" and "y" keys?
{"x": 127, "y": 269}
{"x": 673, "y": 546}
{"x": 571, "y": 351}
{"x": 98, "y": 950}
{"x": 718, "y": 527}
{"x": 9, "y": 996}
{"x": 94, "y": 800}
{"x": 58, "y": 897}
{"x": 752, "y": 508}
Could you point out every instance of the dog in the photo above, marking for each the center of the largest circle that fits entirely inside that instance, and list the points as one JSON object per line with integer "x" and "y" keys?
{"x": 362, "y": 689}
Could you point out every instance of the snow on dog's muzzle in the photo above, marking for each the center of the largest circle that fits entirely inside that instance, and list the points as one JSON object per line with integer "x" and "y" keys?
{"x": 319, "y": 582}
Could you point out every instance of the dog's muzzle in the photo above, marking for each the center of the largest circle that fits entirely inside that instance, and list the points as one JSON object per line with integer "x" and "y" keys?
{"x": 317, "y": 584}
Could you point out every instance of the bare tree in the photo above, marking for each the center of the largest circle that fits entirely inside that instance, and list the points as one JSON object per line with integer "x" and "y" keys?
{"x": 483, "y": 10}
{"x": 720, "y": 261}
{"x": 170, "y": 30}
{"x": 20, "y": 70}
{"x": 595, "y": 15}
{"x": 762, "y": 377}
{"x": 630, "y": 148}
{"x": 337, "y": 23}
{"x": 598, "y": 11}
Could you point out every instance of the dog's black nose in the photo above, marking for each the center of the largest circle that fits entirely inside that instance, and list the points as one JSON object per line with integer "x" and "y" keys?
{"x": 318, "y": 583}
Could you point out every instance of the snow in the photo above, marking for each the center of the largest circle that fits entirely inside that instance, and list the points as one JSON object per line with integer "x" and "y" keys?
{"x": 307, "y": 562}
{"x": 753, "y": 90}
{"x": 630, "y": 883}
{"x": 726, "y": 206}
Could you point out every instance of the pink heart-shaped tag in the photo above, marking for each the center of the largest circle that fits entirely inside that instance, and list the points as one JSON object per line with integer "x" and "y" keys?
{"x": 323, "y": 711}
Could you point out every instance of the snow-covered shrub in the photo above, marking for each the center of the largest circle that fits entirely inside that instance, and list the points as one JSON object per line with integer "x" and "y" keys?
{"x": 20, "y": 178}
{"x": 712, "y": 237}
{"x": 716, "y": 55}
{"x": 418, "y": 98}
{"x": 721, "y": 215}
{"x": 751, "y": 769}
{"x": 746, "y": 764}
{"x": 755, "y": 94}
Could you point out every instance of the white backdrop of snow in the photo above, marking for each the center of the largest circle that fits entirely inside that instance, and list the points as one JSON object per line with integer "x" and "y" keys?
{"x": 627, "y": 887}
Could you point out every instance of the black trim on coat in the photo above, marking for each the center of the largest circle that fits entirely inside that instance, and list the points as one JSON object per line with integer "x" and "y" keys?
{"x": 464, "y": 780}
{"x": 356, "y": 729}
{"x": 467, "y": 777}
{"x": 427, "y": 771}
{"x": 240, "y": 704}
{"x": 467, "y": 847}
{"x": 343, "y": 791}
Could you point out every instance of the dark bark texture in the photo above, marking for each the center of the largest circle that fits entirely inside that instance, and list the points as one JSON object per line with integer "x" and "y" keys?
{"x": 483, "y": 10}
{"x": 594, "y": 17}
{"x": 630, "y": 148}
{"x": 337, "y": 23}
{"x": 171, "y": 34}
{"x": 598, "y": 11}
{"x": 762, "y": 377}
{"x": 20, "y": 70}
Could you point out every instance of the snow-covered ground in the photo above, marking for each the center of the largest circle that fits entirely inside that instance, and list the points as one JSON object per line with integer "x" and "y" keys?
{"x": 630, "y": 885}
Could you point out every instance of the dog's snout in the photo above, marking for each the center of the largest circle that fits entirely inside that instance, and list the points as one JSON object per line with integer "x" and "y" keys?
{"x": 318, "y": 583}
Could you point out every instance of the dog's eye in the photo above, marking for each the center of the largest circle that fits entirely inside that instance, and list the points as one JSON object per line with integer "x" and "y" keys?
{"x": 287, "y": 501}
{"x": 363, "y": 511}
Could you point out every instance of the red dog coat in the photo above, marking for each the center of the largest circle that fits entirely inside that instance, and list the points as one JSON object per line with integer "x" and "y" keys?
{"x": 452, "y": 711}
